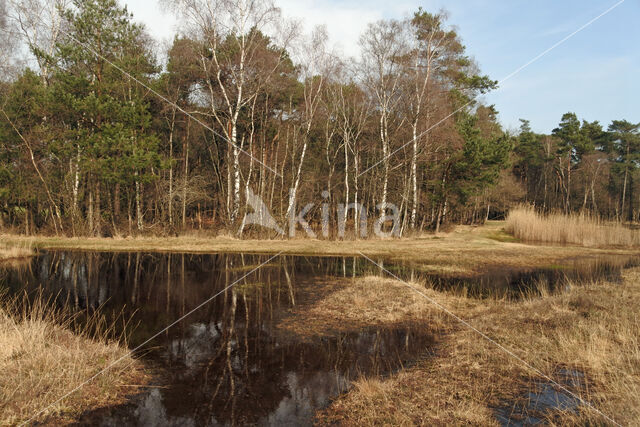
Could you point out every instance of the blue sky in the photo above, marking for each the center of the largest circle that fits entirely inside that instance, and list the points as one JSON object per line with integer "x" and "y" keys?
{"x": 594, "y": 74}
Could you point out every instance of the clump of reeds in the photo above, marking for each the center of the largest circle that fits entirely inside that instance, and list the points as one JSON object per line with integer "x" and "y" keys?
{"x": 578, "y": 229}
{"x": 46, "y": 352}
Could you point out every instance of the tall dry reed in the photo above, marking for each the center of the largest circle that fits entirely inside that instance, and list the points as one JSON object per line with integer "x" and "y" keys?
{"x": 578, "y": 229}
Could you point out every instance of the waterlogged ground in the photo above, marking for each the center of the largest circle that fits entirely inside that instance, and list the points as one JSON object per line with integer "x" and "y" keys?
{"x": 232, "y": 361}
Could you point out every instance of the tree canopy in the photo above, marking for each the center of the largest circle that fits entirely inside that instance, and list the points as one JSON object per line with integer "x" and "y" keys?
{"x": 104, "y": 133}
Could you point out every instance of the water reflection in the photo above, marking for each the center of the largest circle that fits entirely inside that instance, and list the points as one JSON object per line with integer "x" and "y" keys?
{"x": 158, "y": 288}
{"x": 514, "y": 283}
{"x": 227, "y": 363}
{"x": 278, "y": 382}
{"x": 543, "y": 400}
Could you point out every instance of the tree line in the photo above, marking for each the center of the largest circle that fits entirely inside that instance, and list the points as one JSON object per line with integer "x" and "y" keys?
{"x": 104, "y": 132}
{"x": 582, "y": 167}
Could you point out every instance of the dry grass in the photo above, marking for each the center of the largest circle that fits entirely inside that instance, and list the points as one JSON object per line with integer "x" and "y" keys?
{"x": 528, "y": 225}
{"x": 465, "y": 250}
{"x": 41, "y": 360}
{"x": 23, "y": 249}
{"x": 362, "y": 303}
{"x": 593, "y": 329}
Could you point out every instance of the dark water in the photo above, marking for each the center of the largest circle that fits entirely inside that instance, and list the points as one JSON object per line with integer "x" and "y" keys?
{"x": 228, "y": 363}
{"x": 264, "y": 380}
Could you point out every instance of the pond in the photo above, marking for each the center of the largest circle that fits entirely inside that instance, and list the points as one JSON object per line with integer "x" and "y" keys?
{"x": 228, "y": 363}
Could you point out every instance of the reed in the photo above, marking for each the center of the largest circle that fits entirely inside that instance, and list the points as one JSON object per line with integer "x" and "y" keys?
{"x": 47, "y": 352}
{"x": 528, "y": 225}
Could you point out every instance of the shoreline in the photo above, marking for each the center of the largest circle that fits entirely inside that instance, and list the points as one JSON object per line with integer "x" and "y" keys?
{"x": 470, "y": 249}
{"x": 588, "y": 332}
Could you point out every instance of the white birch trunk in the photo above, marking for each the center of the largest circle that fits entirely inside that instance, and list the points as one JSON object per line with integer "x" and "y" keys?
{"x": 138, "y": 203}
{"x": 414, "y": 176}
{"x": 76, "y": 182}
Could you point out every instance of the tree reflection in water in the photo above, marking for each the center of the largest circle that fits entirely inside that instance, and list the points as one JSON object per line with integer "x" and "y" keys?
{"x": 226, "y": 363}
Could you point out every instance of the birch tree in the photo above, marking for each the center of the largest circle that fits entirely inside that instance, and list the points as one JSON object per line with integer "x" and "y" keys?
{"x": 383, "y": 48}
{"x": 40, "y": 24}
{"x": 8, "y": 37}
{"x": 232, "y": 34}
{"x": 317, "y": 67}
{"x": 352, "y": 110}
{"x": 432, "y": 49}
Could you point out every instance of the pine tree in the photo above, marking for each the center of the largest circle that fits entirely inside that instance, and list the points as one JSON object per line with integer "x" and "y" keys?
{"x": 109, "y": 139}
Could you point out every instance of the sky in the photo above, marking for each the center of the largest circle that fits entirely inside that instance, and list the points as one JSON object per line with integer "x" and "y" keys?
{"x": 595, "y": 73}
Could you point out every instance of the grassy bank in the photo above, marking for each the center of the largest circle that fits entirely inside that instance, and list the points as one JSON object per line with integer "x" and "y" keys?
{"x": 41, "y": 360}
{"x": 17, "y": 250}
{"x": 592, "y": 329}
{"x": 528, "y": 225}
{"x": 465, "y": 249}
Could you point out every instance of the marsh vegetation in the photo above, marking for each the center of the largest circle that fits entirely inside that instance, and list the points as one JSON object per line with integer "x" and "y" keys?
{"x": 9, "y": 252}
{"x": 591, "y": 329}
{"x": 582, "y": 229}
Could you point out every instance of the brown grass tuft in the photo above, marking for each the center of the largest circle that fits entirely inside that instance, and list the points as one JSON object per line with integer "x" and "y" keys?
{"x": 578, "y": 229}
{"x": 591, "y": 328}
{"x": 41, "y": 360}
